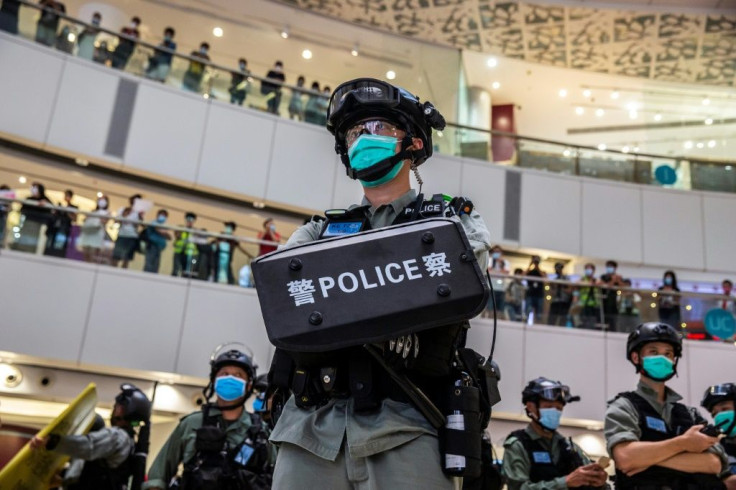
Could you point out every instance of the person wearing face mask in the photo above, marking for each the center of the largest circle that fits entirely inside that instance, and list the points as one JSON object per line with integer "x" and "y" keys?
{"x": 268, "y": 234}
{"x": 124, "y": 49}
{"x": 195, "y": 73}
{"x": 296, "y": 105}
{"x": 312, "y": 108}
{"x": 720, "y": 402}
{"x": 106, "y": 453}
{"x": 272, "y": 90}
{"x": 86, "y": 38}
{"x": 656, "y": 441}
{"x": 223, "y": 250}
{"x": 9, "y": 16}
{"x": 669, "y": 304}
{"x": 92, "y": 234}
{"x": 33, "y": 217}
{"x": 159, "y": 64}
{"x": 358, "y": 428}
{"x": 221, "y": 446}
{"x": 239, "y": 83}
{"x": 535, "y": 291}
{"x": 587, "y": 298}
{"x": 561, "y": 298}
{"x": 540, "y": 458}
{"x": 497, "y": 266}
{"x": 155, "y": 240}
{"x": 48, "y": 21}
{"x": 609, "y": 294}
{"x": 185, "y": 249}
{"x": 59, "y": 231}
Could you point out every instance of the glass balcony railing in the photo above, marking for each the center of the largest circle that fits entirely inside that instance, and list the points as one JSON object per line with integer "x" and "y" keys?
{"x": 196, "y": 74}
{"x": 98, "y": 237}
{"x": 595, "y": 306}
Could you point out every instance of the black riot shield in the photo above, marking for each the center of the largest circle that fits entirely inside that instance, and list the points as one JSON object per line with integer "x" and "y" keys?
{"x": 369, "y": 287}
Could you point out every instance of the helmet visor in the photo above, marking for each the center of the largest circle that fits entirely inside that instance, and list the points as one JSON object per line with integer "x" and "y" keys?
{"x": 558, "y": 393}
{"x": 366, "y": 91}
{"x": 725, "y": 389}
{"x": 379, "y": 127}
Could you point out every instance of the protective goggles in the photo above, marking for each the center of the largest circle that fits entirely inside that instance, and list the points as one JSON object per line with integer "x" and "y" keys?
{"x": 367, "y": 91}
{"x": 557, "y": 393}
{"x": 725, "y": 389}
{"x": 379, "y": 127}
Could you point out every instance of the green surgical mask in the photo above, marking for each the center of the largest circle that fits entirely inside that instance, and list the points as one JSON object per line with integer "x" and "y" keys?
{"x": 370, "y": 149}
{"x": 658, "y": 368}
{"x": 727, "y": 419}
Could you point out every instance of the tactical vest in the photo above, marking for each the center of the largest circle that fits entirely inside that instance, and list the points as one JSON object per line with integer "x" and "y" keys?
{"x": 543, "y": 468}
{"x": 96, "y": 475}
{"x": 184, "y": 244}
{"x": 729, "y": 445}
{"x": 218, "y": 466}
{"x": 654, "y": 429}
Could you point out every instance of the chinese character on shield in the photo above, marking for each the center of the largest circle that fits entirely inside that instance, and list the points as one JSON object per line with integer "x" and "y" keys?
{"x": 436, "y": 264}
{"x": 302, "y": 291}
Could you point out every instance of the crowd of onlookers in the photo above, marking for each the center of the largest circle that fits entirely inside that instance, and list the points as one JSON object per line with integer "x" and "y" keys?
{"x": 605, "y": 301}
{"x": 196, "y": 254}
{"x": 304, "y": 106}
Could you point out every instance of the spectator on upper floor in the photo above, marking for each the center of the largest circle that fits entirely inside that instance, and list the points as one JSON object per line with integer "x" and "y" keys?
{"x": 588, "y": 298}
{"x": 268, "y": 234}
{"x": 88, "y": 36}
{"x": 155, "y": 242}
{"x": 92, "y": 235}
{"x": 515, "y": 297}
{"x": 273, "y": 90}
{"x": 4, "y": 207}
{"x": 48, "y": 22}
{"x": 296, "y": 106}
{"x": 535, "y": 290}
{"x": 609, "y": 294}
{"x": 9, "y": 16}
{"x": 669, "y": 304}
{"x": 223, "y": 249}
{"x": 159, "y": 64}
{"x": 312, "y": 109}
{"x": 185, "y": 248}
{"x": 65, "y": 40}
{"x": 727, "y": 304}
{"x": 239, "y": 83}
{"x": 559, "y": 305}
{"x": 192, "y": 80}
{"x": 59, "y": 229}
{"x": 497, "y": 265}
{"x": 124, "y": 49}
{"x": 127, "y": 242}
{"x": 628, "y": 311}
{"x": 33, "y": 217}
{"x": 322, "y": 103}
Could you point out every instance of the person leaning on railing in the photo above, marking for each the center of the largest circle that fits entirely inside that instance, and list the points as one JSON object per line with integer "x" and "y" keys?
{"x": 587, "y": 298}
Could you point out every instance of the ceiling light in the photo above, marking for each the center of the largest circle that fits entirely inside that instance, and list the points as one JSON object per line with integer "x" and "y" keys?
{"x": 22, "y": 179}
{"x": 71, "y": 37}
{"x": 711, "y": 144}
{"x": 491, "y": 62}
{"x": 81, "y": 162}
{"x": 602, "y": 147}
{"x": 307, "y": 54}
{"x": 259, "y": 204}
{"x": 390, "y": 74}
{"x": 587, "y": 93}
{"x": 706, "y": 101}
{"x": 625, "y": 149}
{"x": 636, "y": 149}
{"x": 658, "y": 117}
{"x": 285, "y": 32}
{"x": 599, "y": 112}
{"x": 579, "y": 111}
{"x": 217, "y": 32}
{"x": 99, "y": 194}
{"x": 562, "y": 93}
{"x": 495, "y": 85}
{"x": 615, "y": 94}
{"x": 354, "y": 51}
{"x": 700, "y": 145}
{"x": 633, "y": 114}
{"x": 688, "y": 145}
{"x": 708, "y": 121}
{"x": 566, "y": 153}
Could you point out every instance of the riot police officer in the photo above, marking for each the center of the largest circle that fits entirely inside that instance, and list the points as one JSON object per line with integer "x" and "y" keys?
{"x": 108, "y": 451}
{"x": 720, "y": 401}
{"x": 656, "y": 441}
{"x": 362, "y": 430}
{"x": 221, "y": 446}
{"x": 539, "y": 457}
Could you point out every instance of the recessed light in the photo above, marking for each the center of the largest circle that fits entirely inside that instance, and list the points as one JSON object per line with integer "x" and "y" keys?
{"x": 22, "y": 179}
{"x": 307, "y": 54}
{"x": 491, "y": 62}
{"x": 587, "y": 93}
{"x": 599, "y": 112}
{"x": 700, "y": 145}
{"x": 259, "y": 204}
{"x": 633, "y": 114}
{"x": 390, "y": 74}
{"x": 706, "y": 101}
{"x": 688, "y": 144}
{"x": 602, "y": 147}
{"x": 615, "y": 94}
{"x": 658, "y": 117}
{"x": 711, "y": 144}
{"x": 625, "y": 149}
{"x": 285, "y": 32}
{"x": 562, "y": 93}
{"x": 566, "y": 153}
{"x": 579, "y": 111}
{"x": 636, "y": 149}
{"x": 495, "y": 85}
{"x": 708, "y": 121}
{"x": 217, "y": 32}
{"x": 99, "y": 194}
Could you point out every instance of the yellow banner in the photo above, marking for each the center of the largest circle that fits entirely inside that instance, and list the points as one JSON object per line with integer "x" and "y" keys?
{"x": 32, "y": 470}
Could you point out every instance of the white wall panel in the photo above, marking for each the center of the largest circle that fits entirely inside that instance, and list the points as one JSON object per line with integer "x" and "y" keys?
{"x": 485, "y": 184}
{"x": 84, "y": 107}
{"x": 719, "y": 212}
{"x": 43, "y": 305}
{"x": 611, "y": 221}
{"x": 550, "y": 212}
{"x": 302, "y": 166}
{"x": 135, "y": 320}
{"x": 441, "y": 175}
{"x": 707, "y": 364}
{"x": 673, "y": 228}
{"x": 166, "y": 132}
{"x": 346, "y": 190}
{"x": 29, "y": 77}
{"x": 236, "y": 152}
{"x": 218, "y": 314}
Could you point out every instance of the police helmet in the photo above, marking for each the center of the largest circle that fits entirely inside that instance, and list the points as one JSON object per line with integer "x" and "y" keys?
{"x": 653, "y": 332}
{"x": 718, "y": 393}
{"x": 546, "y": 389}
{"x": 368, "y": 98}
{"x": 261, "y": 383}
{"x": 232, "y": 357}
{"x": 136, "y": 405}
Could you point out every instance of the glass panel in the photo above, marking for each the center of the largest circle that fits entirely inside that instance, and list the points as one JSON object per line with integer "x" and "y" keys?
{"x": 547, "y": 156}
{"x": 713, "y": 177}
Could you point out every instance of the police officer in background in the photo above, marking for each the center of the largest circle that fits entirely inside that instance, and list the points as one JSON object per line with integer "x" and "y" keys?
{"x": 222, "y": 446}
{"x": 538, "y": 457}
{"x": 720, "y": 401}
{"x": 655, "y": 440}
{"x": 366, "y": 434}
{"x": 107, "y": 451}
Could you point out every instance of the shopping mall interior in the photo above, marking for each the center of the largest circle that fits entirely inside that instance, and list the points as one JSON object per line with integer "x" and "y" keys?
{"x": 583, "y": 131}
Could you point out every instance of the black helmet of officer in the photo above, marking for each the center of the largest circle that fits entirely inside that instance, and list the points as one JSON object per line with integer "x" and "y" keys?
{"x": 718, "y": 393}
{"x": 135, "y": 404}
{"x": 547, "y": 389}
{"x": 371, "y": 99}
{"x": 232, "y": 357}
{"x": 653, "y": 332}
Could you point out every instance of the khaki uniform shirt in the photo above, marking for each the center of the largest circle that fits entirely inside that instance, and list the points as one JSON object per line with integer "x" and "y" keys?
{"x": 322, "y": 430}
{"x": 622, "y": 419}
{"x": 517, "y": 467}
{"x": 112, "y": 444}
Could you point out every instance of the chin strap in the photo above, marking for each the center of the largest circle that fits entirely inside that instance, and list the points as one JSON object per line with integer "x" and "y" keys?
{"x": 380, "y": 169}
